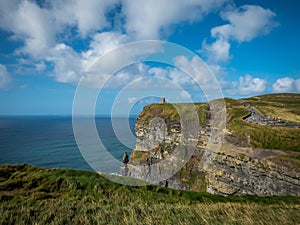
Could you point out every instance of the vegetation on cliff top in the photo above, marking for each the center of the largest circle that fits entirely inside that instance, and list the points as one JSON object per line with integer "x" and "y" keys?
{"x": 281, "y": 106}
{"x": 30, "y": 195}
{"x": 171, "y": 112}
{"x": 261, "y": 136}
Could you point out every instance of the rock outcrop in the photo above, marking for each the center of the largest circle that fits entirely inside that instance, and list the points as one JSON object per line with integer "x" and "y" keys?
{"x": 260, "y": 172}
{"x": 233, "y": 168}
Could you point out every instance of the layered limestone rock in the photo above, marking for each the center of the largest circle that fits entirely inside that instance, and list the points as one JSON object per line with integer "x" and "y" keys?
{"x": 262, "y": 172}
{"x": 235, "y": 168}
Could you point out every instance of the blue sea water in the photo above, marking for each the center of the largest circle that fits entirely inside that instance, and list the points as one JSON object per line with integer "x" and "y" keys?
{"x": 48, "y": 141}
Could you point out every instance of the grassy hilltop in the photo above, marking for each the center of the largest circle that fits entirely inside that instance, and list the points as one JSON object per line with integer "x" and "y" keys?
{"x": 284, "y": 106}
{"x": 30, "y": 195}
{"x": 281, "y": 106}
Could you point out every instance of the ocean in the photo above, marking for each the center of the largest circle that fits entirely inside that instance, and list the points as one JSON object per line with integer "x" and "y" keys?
{"x": 48, "y": 141}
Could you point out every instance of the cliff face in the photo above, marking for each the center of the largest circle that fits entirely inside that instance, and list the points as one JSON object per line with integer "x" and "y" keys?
{"x": 235, "y": 168}
{"x": 153, "y": 158}
{"x": 261, "y": 172}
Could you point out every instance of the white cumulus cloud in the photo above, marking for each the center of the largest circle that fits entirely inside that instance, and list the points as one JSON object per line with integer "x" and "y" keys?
{"x": 285, "y": 84}
{"x": 67, "y": 64}
{"x": 245, "y": 23}
{"x": 40, "y": 27}
{"x": 101, "y": 44}
{"x": 87, "y": 16}
{"x": 29, "y": 23}
{"x": 218, "y": 51}
{"x": 247, "y": 85}
{"x": 149, "y": 19}
{"x": 196, "y": 69}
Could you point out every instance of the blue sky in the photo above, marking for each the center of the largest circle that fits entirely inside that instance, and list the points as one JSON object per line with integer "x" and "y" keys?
{"x": 47, "y": 47}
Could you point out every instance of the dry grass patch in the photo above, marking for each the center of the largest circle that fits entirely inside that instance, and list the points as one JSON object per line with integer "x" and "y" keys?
{"x": 279, "y": 113}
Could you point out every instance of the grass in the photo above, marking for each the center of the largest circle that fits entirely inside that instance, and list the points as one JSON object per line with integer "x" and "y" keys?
{"x": 170, "y": 112}
{"x": 280, "y": 138}
{"x": 31, "y": 195}
{"x": 281, "y": 106}
{"x": 140, "y": 155}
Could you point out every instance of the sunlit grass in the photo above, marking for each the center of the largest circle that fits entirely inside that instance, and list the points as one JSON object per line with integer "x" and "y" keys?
{"x": 261, "y": 136}
{"x": 281, "y": 106}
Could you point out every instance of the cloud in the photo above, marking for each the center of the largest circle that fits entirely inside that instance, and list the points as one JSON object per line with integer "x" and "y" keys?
{"x": 120, "y": 79}
{"x": 150, "y": 19}
{"x": 30, "y": 24}
{"x": 40, "y": 28}
{"x": 297, "y": 84}
{"x": 70, "y": 66}
{"x": 44, "y": 29}
{"x": 246, "y": 85}
{"x": 245, "y": 23}
{"x": 186, "y": 74}
{"x": 87, "y": 16}
{"x": 5, "y": 78}
{"x": 132, "y": 100}
{"x": 201, "y": 77}
{"x": 174, "y": 75}
{"x": 218, "y": 51}
{"x": 67, "y": 64}
{"x": 40, "y": 66}
{"x": 158, "y": 72}
{"x": 285, "y": 84}
{"x": 196, "y": 70}
{"x": 101, "y": 44}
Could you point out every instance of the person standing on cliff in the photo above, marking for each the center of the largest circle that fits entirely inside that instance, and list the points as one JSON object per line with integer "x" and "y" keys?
{"x": 124, "y": 167}
{"x": 125, "y": 158}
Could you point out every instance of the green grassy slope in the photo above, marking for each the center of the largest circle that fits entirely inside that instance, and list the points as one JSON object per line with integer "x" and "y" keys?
{"x": 261, "y": 136}
{"x": 173, "y": 112}
{"x": 30, "y": 195}
{"x": 281, "y": 106}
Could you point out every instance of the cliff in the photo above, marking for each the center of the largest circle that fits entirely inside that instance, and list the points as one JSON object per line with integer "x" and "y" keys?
{"x": 244, "y": 158}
